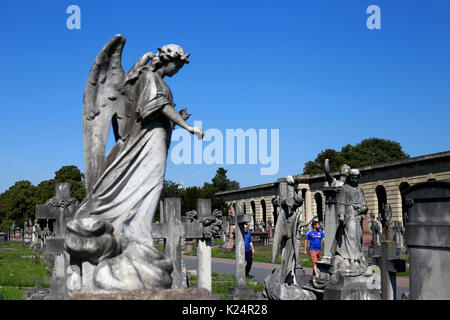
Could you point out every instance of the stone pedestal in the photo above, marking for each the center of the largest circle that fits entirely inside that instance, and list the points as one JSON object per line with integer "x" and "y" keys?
{"x": 278, "y": 290}
{"x": 363, "y": 287}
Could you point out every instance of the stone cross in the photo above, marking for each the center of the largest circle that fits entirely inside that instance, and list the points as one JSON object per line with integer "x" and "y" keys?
{"x": 388, "y": 257}
{"x": 62, "y": 208}
{"x": 240, "y": 219}
{"x": 173, "y": 231}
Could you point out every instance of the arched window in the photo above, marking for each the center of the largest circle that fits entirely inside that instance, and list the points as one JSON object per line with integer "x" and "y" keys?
{"x": 263, "y": 207}
{"x": 275, "y": 212}
{"x": 252, "y": 204}
{"x": 402, "y": 187}
{"x": 382, "y": 200}
{"x": 319, "y": 207}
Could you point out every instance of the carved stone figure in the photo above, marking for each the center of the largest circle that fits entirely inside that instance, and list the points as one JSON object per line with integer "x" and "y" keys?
{"x": 377, "y": 229}
{"x": 398, "y": 233}
{"x": 332, "y": 181}
{"x": 287, "y": 237}
{"x": 386, "y": 216}
{"x": 110, "y": 241}
{"x": 351, "y": 208}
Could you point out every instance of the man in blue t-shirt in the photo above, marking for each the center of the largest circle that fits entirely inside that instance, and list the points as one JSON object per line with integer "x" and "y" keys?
{"x": 314, "y": 237}
{"x": 249, "y": 251}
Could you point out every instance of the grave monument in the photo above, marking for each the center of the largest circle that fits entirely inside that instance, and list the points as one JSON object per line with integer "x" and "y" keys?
{"x": 285, "y": 282}
{"x": 110, "y": 239}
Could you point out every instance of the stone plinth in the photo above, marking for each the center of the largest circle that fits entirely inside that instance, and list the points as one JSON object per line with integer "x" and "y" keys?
{"x": 363, "y": 287}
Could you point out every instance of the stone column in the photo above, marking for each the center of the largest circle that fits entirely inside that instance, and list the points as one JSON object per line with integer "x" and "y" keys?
{"x": 204, "y": 248}
{"x": 330, "y": 220}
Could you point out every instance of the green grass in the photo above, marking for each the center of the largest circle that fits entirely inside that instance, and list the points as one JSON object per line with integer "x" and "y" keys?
{"x": 10, "y": 293}
{"x": 20, "y": 270}
{"x": 222, "y": 282}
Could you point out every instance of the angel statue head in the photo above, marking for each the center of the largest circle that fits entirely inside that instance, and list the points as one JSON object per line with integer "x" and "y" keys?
{"x": 169, "y": 59}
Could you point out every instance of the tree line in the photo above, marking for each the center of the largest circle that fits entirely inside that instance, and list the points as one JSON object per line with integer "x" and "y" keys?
{"x": 368, "y": 152}
{"x": 18, "y": 203}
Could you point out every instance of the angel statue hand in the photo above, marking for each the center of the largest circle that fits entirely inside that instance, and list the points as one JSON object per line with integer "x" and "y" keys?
{"x": 198, "y": 132}
{"x": 184, "y": 114}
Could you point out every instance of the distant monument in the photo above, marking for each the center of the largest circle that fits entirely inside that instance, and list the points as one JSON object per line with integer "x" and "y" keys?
{"x": 110, "y": 240}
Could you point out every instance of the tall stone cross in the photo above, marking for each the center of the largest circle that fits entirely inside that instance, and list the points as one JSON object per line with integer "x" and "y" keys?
{"x": 240, "y": 219}
{"x": 62, "y": 208}
{"x": 173, "y": 231}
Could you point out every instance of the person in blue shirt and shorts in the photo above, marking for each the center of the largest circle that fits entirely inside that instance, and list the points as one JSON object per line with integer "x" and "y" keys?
{"x": 314, "y": 237}
{"x": 249, "y": 251}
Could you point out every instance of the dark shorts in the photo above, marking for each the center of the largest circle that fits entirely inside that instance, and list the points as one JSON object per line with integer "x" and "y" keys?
{"x": 315, "y": 255}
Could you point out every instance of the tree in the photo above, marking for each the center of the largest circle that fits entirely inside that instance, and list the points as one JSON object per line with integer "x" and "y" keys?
{"x": 18, "y": 204}
{"x": 44, "y": 191}
{"x": 372, "y": 151}
{"x": 316, "y": 166}
{"x": 368, "y": 152}
{"x": 220, "y": 182}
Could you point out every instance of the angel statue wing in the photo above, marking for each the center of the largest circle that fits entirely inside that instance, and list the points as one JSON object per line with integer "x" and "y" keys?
{"x": 104, "y": 101}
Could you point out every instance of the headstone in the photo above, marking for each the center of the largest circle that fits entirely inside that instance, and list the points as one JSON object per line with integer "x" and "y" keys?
{"x": 241, "y": 288}
{"x": 172, "y": 230}
{"x": 2, "y": 238}
{"x": 428, "y": 240}
{"x": 62, "y": 208}
{"x": 204, "y": 248}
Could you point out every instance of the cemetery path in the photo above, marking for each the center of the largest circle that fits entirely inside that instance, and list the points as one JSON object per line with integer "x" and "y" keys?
{"x": 260, "y": 270}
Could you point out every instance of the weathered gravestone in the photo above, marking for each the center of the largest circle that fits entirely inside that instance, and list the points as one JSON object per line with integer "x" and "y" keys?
{"x": 428, "y": 239}
{"x": 387, "y": 255}
{"x": 173, "y": 231}
{"x": 2, "y": 238}
{"x": 240, "y": 219}
{"x": 206, "y": 227}
{"x": 62, "y": 208}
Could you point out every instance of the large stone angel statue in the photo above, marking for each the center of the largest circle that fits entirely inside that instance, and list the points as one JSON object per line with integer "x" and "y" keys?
{"x": 109, "y": 241}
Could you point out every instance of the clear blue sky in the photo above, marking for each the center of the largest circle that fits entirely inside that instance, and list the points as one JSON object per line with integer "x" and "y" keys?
{"x": 311, "y": 69}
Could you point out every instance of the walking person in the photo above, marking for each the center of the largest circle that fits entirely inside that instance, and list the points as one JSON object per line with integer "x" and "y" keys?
{"x": 314, "y": 237}
{"x": 249, "y": 251}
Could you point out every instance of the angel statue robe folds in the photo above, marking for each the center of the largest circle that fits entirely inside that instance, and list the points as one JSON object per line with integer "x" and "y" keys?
{"x": 109, "y": 241}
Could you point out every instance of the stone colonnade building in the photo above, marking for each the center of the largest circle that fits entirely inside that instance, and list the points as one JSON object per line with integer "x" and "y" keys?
{"x": 381, "y": 183}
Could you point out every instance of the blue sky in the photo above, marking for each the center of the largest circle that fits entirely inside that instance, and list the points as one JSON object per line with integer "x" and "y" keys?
{"x": 311, "y": 69}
